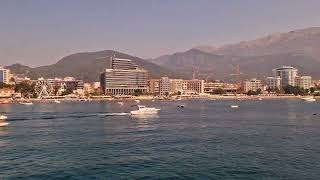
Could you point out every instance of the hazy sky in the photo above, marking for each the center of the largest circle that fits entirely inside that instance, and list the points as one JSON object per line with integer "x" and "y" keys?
{"x": 40, "y": 32}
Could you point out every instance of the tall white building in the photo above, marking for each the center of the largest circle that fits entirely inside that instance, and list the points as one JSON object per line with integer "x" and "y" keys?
{"x": 287, "y": 75}
{"x": 123, "y": 78}
{"x": 164, "y": 86}
{"x": 5, "y": 75}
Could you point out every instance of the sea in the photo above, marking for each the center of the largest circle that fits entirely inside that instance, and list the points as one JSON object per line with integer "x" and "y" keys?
{"x": 268, "y": 139}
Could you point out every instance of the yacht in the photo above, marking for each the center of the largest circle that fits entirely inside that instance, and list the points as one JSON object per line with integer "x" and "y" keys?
{"x": 137, "y": 101}
{"x": 142, "y": 110}
{"x": 3, "y": 117}
{"x": 234, "y": 106}
{"x": 309, "y": 99}
{"x": 2, "y": 124}
{"x": 57, "y": 101}
{"x": 27, "y": 103}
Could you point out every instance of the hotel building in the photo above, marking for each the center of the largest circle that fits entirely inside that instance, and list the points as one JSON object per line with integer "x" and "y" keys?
{"x": 153, "y": 86}
{"x": 273, "y": 82}
{"x": 287, "y": 75}
{"x": 193, "y": 86}
{"x": 252, "y": 85}
{"x": 304, "y": 82}
{"x": 5, "y": 75}
{"x": 164, "y": 86}
{"x": 123, "y": 78}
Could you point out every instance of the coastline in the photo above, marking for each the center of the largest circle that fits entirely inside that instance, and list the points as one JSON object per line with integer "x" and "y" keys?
{"x": 174, "y": 98}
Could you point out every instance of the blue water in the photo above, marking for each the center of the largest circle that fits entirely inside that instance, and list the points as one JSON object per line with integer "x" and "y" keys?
{"x": 270, "y": 139}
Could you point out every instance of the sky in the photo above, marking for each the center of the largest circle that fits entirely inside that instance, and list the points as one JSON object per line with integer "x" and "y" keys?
{"x": 40, "y": 32}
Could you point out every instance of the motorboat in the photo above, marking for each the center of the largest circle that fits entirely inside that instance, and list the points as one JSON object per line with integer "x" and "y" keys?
{"x": 180, "y": 106}
{"x": 3, "y": 117}
{"x": 309, "y": 99}
{"x": 142, "y": 110}
{"x": 234, "y": 106}
{"x": 137, "y": 101}
{"x": 121, "y": 103}
{"x": 260, "y": 99}
{"x": 27, "y": 103}
{"x": 57, "y": 101}
{"x": 3, "y": 124}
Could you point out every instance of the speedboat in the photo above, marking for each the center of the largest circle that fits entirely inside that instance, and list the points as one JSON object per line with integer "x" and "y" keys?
{"x": 3, "y": 117}
{"x": 137, "y": 101}
{"x": 234, "y": 106}
{"x": 309, "y": 99}
{"x": 2, "y": 124}
{"x": 121, "y": 103}
{"x": 142, "y": 110}
{"x": 27, "y": 103}
{"x": 57, "y": 101}
{"x": 180, "y": 106}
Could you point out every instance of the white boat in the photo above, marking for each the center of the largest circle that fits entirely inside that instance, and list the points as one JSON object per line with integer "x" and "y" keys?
{"x": 260, "y": 99}
{"x": 309, "y": 99}
{"x": 137, "y": 101}
{"x": 56, "y": 101}
{"x": 26, "y": 103}
{"x": 142, "y": 110}
{"x": 2, "y": 124}
{"x": 234, "y": 106}
{"x": 121, "y": 103}
{"x": 3, "y": 117}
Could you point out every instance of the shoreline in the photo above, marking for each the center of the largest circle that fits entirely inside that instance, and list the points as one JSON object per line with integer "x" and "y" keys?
{"x": 176, "y": 98}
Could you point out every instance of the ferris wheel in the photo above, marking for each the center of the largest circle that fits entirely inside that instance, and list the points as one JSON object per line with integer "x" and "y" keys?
{"x": 43, "y": 89}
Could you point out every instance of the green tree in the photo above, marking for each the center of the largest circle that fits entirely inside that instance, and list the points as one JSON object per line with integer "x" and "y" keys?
{"x": 138, "y": 92}
{"x": 312, "y": 89}
{"x": 259, "y": 91}
{"x": 67, "y": 92}
{"x": 26, "y": 89}
{"x": 219, "y": 91}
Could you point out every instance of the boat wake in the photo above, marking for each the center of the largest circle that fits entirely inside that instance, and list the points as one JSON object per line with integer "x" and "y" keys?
{"x": 68, "y": 116}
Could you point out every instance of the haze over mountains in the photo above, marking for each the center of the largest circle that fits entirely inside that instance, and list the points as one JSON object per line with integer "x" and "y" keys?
{"x": 256, "y": 58}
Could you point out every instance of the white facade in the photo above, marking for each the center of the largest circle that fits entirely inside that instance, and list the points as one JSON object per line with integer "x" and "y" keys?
{"x": 304, "y": 82}
{"x": 273, "y": 82}
{"x": 287, "y": 75}
{"x": 194, "y": 86}
{"x": 164, "y": 86}
{"x": 5, "y": 75}
{"x": 251, "y": 85}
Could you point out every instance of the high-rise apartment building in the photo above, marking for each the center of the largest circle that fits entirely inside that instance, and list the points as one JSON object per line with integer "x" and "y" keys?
{"x": 123, "y": 78}
{"x": 164, "y": 86}
{"x": 273, "y": 82}
{"x": 304, "y": 82}
{"x": 5, "y": 75}
{"x": 287, "y": 75}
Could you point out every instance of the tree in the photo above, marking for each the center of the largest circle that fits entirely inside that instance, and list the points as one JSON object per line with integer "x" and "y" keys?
{"x": 25, "y": 89}
{"x": 67, "y": 92}
{"x": 219, "y": 91}
{"x": 138, "y": 92}
{"x": 312, "y": 89}
{"x": 259, "y": 91}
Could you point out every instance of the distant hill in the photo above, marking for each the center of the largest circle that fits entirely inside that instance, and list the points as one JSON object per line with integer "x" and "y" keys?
{"x": 304, "y": 42}
{"x": 222, "y": 66}
{"x": 87, "y": 66}
{"x": 256, "y": 58}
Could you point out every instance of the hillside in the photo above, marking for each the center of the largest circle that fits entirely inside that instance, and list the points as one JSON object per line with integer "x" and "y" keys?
{"x": 222, "y": 66}
{"x": 87, "y": 66}
{"x": 304, "y": 41}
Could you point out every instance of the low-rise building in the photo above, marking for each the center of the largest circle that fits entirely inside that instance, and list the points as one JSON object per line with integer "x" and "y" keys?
{"x": 211, "y": 87}
{"x": 193, "y": 86}
{"x": 273, "y": 82}
{"x": 304, "y": 82}
{"x": 251, "y": 85}
{"x": 153, "y": 86}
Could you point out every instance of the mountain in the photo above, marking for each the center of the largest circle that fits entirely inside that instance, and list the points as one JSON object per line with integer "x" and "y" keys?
{"x": 214, "y": 66}
{"x": 304, "y": 41}
{"x": 256, "y": 58}
{"x": 87, "y": 66}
